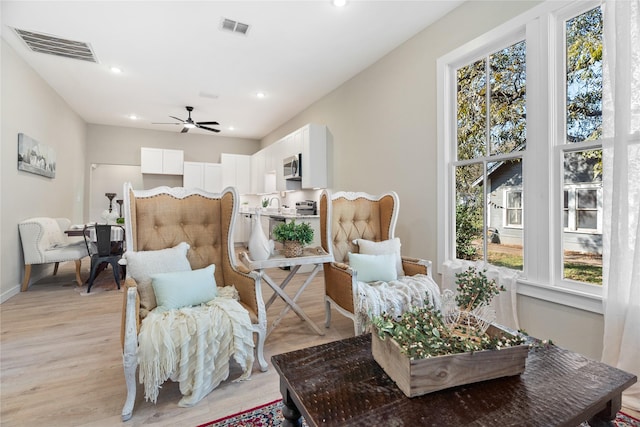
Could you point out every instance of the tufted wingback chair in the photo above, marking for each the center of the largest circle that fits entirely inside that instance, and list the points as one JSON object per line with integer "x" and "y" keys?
{"x": 345, "y": 217}
{"x": 162, "y": 218}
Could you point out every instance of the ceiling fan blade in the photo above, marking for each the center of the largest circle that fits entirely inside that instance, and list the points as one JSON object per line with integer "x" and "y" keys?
{"x": 208, "y": 123}
{"x": 156, "y": 123}
{"x": 206, "y": 128}
{"x": 180, "y": 120}
{"x": 184, "y": 130}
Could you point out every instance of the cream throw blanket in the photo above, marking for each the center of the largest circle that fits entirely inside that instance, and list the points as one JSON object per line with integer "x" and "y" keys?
{"x": 394, "y": 297}
{"x": 193, "y": 346}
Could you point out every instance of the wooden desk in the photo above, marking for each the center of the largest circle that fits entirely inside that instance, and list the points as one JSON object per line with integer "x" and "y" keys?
{"x": 315, "y": 256}
{"x": 340, "y": 384}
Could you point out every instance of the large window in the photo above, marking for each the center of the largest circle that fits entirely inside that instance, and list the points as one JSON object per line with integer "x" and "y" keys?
{"x": 491, "y": 140}
{"x": 521, "y": 149}
{"x": 582, "y": 178}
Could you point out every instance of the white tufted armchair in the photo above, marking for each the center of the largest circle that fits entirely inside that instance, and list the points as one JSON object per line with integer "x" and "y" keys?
{"x": 44, "y": 241}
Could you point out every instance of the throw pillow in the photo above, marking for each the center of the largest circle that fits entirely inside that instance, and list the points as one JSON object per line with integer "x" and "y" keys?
{"x": 141, "y": 265}
{"x": 372, "y": 268}
{"x": 391, "y": 246}
{"x": 184, "y": 288}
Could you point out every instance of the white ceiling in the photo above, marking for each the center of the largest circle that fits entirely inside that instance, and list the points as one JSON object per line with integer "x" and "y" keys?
{"x": 173, "y": 52}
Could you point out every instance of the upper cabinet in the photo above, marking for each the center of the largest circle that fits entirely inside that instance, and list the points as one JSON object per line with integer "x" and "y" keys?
{"x": 206, "y": 176}
{"x": 161, "y": 161}
{"x": 267, "y": 164}
{"x": 314, "y": 156}
{"x": 236, "y": 172}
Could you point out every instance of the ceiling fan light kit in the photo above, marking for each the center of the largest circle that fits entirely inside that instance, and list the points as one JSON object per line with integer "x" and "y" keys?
{"x": 189, "y": 123}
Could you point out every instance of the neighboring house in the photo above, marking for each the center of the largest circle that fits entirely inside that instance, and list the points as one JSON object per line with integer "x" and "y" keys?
{"x": 582, "y": 204}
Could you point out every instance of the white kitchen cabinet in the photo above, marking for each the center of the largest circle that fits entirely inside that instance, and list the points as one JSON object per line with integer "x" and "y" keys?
{"x": 314, "y": 156}
{"x": 206, "y": 176}
{"x": 236, "y": 172}
{"x": 243, "y": 229}
{"x": 161, "y": 161}
{"x": 257, "y": 172}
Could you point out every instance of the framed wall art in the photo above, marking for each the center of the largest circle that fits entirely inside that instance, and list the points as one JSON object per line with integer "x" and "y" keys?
{"x": 36, "y": 157}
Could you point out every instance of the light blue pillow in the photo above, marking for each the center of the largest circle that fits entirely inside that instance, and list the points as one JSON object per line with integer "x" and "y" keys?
{"x": 184, "y": 288}
{"x": 373, "y": 268}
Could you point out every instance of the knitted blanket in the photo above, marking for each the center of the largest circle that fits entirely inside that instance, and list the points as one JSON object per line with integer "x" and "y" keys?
{"x": 193, "y": 346}
{"x": 394, "y": 297}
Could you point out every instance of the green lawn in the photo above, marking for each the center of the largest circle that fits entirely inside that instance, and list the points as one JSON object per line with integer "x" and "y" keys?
{"x": 577, "y": 271}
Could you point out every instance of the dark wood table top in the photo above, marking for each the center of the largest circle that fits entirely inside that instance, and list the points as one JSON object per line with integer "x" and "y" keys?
{"x": 340, "y": 384}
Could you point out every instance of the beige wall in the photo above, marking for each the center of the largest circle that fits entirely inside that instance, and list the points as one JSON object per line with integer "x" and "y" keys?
{"x": 382, "y": 126}
{"x": 31, "y": 107}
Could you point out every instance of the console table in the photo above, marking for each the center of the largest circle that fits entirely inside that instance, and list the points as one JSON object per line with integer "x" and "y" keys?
{"x": 316, "y": 256}
{"x": 340, "y": 384}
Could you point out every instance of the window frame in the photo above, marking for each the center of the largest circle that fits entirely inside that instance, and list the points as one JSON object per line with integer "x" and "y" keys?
{"x": 542, "y": 27}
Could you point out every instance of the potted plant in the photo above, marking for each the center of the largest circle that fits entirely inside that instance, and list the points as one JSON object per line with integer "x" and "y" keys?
{"x": 293, "y": 236}
{"x": 426, "y": 349}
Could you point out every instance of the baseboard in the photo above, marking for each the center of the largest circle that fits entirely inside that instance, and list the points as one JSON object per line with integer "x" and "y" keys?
{"x": 10, "y": 293}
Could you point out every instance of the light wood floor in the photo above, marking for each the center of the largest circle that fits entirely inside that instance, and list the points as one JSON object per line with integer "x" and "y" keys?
{"x": 61, "y": 360}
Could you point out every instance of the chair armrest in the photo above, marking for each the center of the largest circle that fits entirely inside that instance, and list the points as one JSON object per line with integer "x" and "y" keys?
{"x": 130, "y": 308}
{"x": 339, "y": 284}
{"x": 413, "y": 266}
{"x": 31, "y": 234}
{"x": 247, "y": 284}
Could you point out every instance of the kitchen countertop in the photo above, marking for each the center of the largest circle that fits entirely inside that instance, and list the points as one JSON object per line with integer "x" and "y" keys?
{"x": 282, "y": 215}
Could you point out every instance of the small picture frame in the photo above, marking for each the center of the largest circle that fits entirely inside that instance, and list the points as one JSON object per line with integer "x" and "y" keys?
{"x": 35, "y": 157}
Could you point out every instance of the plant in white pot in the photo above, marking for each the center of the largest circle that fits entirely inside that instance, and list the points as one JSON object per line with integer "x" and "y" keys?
{"x": 293, "y": 236}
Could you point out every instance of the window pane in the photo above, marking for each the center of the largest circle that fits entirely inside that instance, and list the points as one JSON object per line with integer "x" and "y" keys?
{"x": 471, "y": 113}
{"x": 514, "y": 199}
{"x": 587, "y": 219}
{"x": 507, "y": 102}
{"x": 587, "y": 199}
{"x": 505, "y": 215}
{"x": 581, "y": 238}
{"x": 469, "y": 211}
{"x": 515, "y": 217}
{"x": 584, "y": 76}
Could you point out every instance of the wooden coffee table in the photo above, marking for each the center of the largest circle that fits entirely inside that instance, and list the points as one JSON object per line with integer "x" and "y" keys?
{"x": 340, "y": 384}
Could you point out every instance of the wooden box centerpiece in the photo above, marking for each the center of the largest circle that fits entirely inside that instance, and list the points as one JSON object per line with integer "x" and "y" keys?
{"x": 427, "y": 349}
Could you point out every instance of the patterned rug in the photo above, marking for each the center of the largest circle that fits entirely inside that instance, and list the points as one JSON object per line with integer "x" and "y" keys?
{"x": 270, "y": 415}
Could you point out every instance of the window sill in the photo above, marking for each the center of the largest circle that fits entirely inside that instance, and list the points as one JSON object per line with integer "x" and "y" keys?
{"x": 564, "y": 296}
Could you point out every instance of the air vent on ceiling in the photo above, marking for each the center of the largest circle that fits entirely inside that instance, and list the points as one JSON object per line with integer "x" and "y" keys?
{"x": 51, "y": 45}
{"x": 234, "y": 26}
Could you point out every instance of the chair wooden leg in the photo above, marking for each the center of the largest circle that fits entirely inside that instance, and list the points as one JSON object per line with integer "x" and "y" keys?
{"x": 27, "y": 276}
{"x": 78, "y": 278}
{"x": 55, "y": 268}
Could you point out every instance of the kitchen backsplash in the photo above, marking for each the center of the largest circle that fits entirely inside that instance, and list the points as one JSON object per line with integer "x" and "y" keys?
{"x": 250, "y": 202}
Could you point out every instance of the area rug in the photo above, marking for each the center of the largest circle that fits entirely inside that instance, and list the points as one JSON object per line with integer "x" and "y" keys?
{"x": 270, "y": 415}
{"x": 267, "y": 415}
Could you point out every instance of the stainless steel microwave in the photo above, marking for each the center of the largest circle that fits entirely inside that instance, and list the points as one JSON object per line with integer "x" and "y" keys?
{"x": 293, "y": 167}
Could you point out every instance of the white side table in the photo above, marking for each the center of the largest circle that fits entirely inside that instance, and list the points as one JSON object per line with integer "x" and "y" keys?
{"x": 316, "y": 256}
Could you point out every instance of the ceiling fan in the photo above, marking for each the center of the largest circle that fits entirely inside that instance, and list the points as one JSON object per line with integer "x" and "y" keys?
{"x": 190, "y": 123}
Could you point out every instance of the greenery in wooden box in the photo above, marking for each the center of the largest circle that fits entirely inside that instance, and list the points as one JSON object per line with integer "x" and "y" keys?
{"x": 459, "y": 327}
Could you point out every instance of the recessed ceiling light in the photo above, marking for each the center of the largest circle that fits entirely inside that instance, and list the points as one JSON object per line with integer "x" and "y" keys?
{"x": 339, "y": 3}
{"x": 231, "y": 128}
{"x": 261, "y": 94}
{"x": 133, "y": 117}
{"x": 116, "y": 70}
